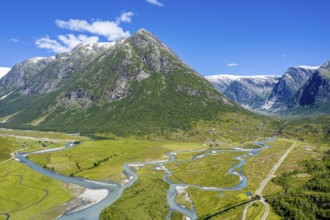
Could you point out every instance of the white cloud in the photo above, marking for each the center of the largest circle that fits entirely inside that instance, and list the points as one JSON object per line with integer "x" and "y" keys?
{"x": 71, "y": 40}
{"x": 232, "y": 64}
{"x": 155, "y": 2}
{"x": 109, "y": 29}
{"x": 4, "y": 71}
{"x": 125, "y": 17}
{"x": 15, "y": 40}
{"x": 64, "y": 43}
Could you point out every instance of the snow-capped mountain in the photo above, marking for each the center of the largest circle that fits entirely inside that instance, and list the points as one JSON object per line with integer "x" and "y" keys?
{"x": 270, "y": 94}
{"x": 248, "y": 91}
{"x": 135, "y": 85}
{"x": 40, "y": 75}
{"x": 288, "y": 85}
{"x": 4, "y": 71}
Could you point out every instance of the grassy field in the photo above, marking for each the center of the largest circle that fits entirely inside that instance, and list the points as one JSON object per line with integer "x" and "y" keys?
{"x": 103, "y": 160}
{"x": 210, "y": 202}
{"x": 236, "y": 127}
{"x": 40, "y": 134}
{"x": 25, "y": 193}
{"x": 212, "y": 171}
{"x": 99, "y": 159}
{"x": 255, "y": 211}
{"x": 315, "y": 130}
{"x": 233, "y": 214}
{"x": 146, "y": 199}
{"x": 11, "y": 144}
{"x": 258, "y": 167}
{"x": 177, "y": 216}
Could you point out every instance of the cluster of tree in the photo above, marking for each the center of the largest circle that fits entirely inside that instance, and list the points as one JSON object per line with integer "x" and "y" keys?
{"x": 98, "y": 162}
{"x": 310, "y": 200}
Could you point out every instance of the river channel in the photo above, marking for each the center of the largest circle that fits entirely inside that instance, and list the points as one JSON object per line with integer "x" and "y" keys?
{"x": 115, "y": 190}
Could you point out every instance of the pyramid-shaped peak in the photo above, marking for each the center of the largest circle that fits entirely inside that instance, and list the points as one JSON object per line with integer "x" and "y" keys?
{"x": 143, "y": 38}
{"x": 144, "y": 34}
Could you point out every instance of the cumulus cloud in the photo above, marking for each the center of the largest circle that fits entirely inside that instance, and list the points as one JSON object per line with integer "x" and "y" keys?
{"x": 155, "y": 2}
{"x": 232, "y": 64}
{"x": 64, "y": 43}
{"x": 125, "y": 17}
{"x": 4, "y": 71}
{"x": 109, "y": 29}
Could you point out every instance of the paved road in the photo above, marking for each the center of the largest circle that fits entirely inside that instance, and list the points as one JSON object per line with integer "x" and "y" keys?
{"x": 264, "y": 183}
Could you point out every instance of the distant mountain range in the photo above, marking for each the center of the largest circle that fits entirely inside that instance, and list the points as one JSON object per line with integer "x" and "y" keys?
{"x": 301, "y": 90}
{"x": 133, "y": 86}
{"x": 251, "y": 92}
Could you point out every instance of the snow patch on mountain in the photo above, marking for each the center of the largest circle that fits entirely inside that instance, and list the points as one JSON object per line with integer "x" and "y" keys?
{"x": 308, "y": 67}
{"x": 240, "y": 77}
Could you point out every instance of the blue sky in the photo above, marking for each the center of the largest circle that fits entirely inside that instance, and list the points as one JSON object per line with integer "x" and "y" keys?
{"x": 242, "y": 37}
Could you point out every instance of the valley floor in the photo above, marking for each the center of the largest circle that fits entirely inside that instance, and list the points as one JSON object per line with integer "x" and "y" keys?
{"x": 207, "y": 178}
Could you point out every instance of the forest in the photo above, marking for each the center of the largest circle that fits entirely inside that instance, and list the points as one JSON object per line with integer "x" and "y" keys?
{"x": 306, "y": 192}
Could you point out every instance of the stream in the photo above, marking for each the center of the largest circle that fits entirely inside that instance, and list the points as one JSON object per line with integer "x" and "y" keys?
{"x": 115, "y": 190}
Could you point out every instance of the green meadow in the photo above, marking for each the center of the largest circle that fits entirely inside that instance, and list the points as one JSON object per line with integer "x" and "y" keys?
{"x": 24, "y": 193}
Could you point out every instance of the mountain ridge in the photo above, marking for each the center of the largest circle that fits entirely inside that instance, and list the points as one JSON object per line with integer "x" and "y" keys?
{"x": 276, "y": 98}
{"x": 136, "y": 86}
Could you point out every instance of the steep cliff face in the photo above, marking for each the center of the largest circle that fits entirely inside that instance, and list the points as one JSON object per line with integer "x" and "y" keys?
{"x": 316, "y": 91}
{"x": 288, "y": 85}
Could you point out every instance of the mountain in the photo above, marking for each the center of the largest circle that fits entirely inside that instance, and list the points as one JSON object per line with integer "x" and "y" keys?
{"x": 288, "y": 85}
{"x": 277, "y": 95}
{"x": 22, "y": 73}
{"x": 248, "y": 91}
{"x": 135, "y": 86}
{"x": 315, "y": 93}
{"x": 3, "y": 71}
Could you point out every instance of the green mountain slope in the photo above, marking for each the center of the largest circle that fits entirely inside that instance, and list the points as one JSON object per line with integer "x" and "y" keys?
{"x": 137, "y": 86}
